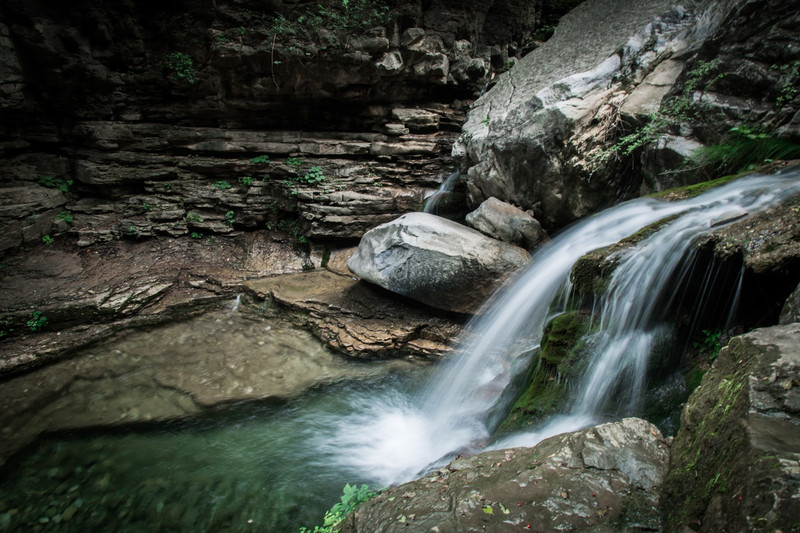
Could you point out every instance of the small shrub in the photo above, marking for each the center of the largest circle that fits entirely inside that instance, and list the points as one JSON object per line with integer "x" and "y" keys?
{"x": 180, "y": 66}
{"x": 145, "y": 207}
{"x": 230, "y": 217}
{"x": 37, "y": 321}
{"x": 743, "y": 148}
{"x": 710, "y": 344}
{"x": 52, "y": 182}
{"x": 260, "y": 160}
{"x": 314, "y": 176}
{"x": 193, "y": 217}
{"x": 222, "y": 184}
{"x": 294, "y": 161}
{"x": 352, "y": 497}
{"x": 196, "y": 235}
{"x": 246, "y": 181}
{"x": 48, "y": 240}
{"x": 66, "y": 216}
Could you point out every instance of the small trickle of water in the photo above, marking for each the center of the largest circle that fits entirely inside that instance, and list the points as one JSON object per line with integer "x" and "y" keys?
{"x": 236, "y": 302}
{"x": 433, "y": 203}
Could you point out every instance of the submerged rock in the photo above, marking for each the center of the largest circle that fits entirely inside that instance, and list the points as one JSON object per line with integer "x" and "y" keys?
{"x": 734, "y": 460}
{"x": 436, "y": 261}
{"x": 604, "y": 478}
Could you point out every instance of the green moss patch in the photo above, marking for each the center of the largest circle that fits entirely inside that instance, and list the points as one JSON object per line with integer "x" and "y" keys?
{"x": 561, "y": 361}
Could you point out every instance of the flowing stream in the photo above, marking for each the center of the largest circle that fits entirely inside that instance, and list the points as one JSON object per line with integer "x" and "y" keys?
{"x": 276, "y": 467}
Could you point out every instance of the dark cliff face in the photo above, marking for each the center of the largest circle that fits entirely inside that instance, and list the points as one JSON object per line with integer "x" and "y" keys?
{"x": 292, "y": 65}
{"x": 131, "y": 112}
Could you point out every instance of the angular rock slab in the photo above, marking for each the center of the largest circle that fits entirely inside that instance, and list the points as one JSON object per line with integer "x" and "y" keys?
{"x": 508, "y": 223}
{"x": 734, "y": 464}
{"x": 436, "y": 261}
{"x": 603, "y": 478}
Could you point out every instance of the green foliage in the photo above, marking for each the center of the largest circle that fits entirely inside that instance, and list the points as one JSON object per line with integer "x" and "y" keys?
{"x": 260, "y": 159}
{"x": 180, "y": 66}
{"x": 709, "y": 344}
{"x": 37, "y": 321}
{"x": 221, "y": 184}
{"x": 330, "y": 25}
{"x": 48, "y": 240}
{"x": 314, "y": 176}
{"x": 788, "y": 88}
{"x": 145, "y": 208}
{"x": 743, "y": 148}
{"x": 292, "y": 227}
{"x": 676, "y": 110}
{"x": 192, "y": 217}
{"x": 66, "y": 216}
{"x": 230, "y": 218}
{"x": 196, "y": 235}
{"x": 352, "y": 497}
{"x": 294, "y": 162}
{"x": 52, "y": 182}
{"x": 246, "y": 181}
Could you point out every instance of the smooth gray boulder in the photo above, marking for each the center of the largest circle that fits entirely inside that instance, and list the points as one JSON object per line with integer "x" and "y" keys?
{"x": 603, "y": 478}
{"x": 508, "y": 223}
{"x": 436, "y": 261}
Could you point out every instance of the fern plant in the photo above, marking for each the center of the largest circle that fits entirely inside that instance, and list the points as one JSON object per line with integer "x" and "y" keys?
{"x": 741, "y": 149}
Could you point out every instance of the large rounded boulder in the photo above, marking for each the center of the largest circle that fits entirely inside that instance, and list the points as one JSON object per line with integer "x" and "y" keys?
{"x": 436, "y": 261}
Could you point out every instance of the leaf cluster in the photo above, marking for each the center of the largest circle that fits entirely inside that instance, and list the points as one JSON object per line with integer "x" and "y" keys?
{"x": 352, "y": 497}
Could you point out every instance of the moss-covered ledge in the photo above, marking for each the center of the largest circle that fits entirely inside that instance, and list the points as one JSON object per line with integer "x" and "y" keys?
{"x": 734, "y": 462}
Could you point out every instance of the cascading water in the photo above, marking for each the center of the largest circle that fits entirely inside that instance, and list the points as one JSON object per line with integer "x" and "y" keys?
{"x": 396, "y": 437}
{"x": 433, "y": 202}
{"x": 273, "y": 467}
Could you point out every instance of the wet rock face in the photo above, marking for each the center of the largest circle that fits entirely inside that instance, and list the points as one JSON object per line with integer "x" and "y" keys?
{"x": 734, "y": 460}
{"x": 601, "y": 478}
{"x": 436, "y": 261}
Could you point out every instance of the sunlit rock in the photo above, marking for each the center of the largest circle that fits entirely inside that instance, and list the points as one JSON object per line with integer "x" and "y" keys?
{"x": 436, "y": 261}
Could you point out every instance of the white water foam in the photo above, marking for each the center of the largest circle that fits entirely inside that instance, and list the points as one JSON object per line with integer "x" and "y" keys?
{"x": 394, "y": 437}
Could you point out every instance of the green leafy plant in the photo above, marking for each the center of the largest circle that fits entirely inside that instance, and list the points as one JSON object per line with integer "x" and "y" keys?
{"x": 230, "y": 217}
{"x": 66, "y": 216}
{"x": 52, "y": 182}
{"x": 314, "y": 176}
{"x": 246, "y": 181}
{"x": 145, "y": 208}
{"x": 193, "y": 217}
{"x": 180, "y": 66}
{"x": 260, "y": 159}
{"x": 294, "y": 162}
{"x": 742, "y": 148}
{"x": 48, "y": 240}
{"x": 352, "y": 497}
{"x": 709, "y": 344}
{"x": 37, "y": 321}
{"x": 292, "y": 227}
{"x": 196, "y": 235}
{"x": 221, "y": 184}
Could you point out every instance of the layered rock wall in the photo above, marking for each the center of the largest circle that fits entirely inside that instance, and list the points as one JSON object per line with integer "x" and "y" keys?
{"x": 145, "y": 118}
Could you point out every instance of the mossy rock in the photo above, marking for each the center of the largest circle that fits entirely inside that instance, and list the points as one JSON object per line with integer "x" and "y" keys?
{"x": 728, "y": 471}
{"x": 560, "y": 361}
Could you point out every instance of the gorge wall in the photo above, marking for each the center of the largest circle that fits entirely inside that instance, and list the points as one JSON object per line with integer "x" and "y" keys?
{"x": 146, "y": 118}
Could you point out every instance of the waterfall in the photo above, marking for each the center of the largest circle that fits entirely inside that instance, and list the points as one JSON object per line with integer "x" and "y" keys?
{"x": 433, "y": 202}
{"x": 397, "y": 436}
